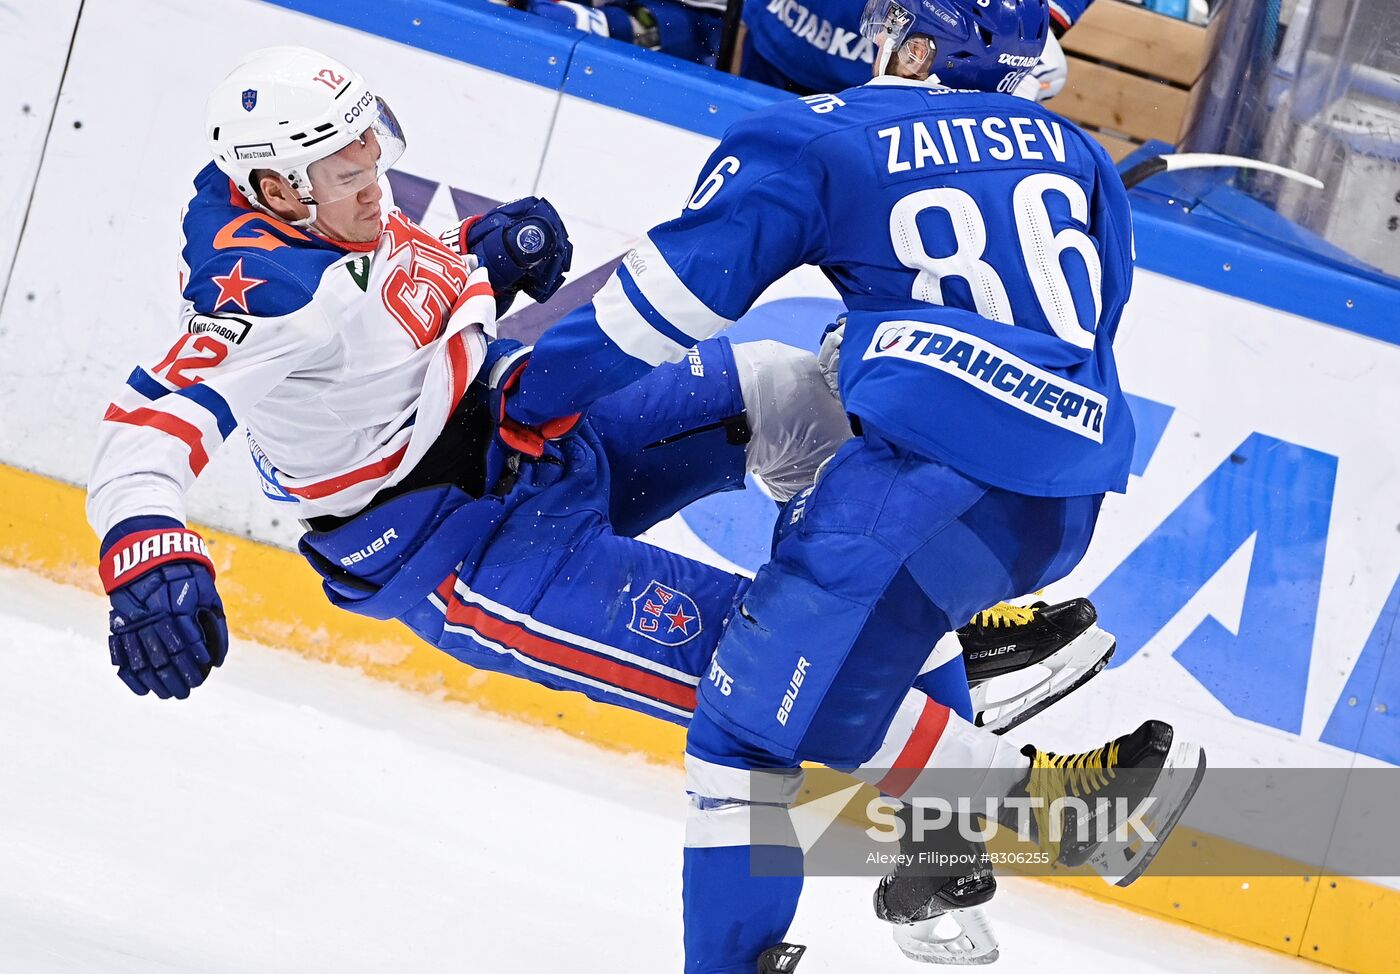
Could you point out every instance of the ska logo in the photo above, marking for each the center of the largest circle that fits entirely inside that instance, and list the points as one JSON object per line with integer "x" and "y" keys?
{"x": 665, "y": 615}
{"x": 250, "y": 99}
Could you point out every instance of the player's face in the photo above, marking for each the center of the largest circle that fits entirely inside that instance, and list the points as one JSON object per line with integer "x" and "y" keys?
{"x": 914, "y": 58}
{"x": 346, "y": 189}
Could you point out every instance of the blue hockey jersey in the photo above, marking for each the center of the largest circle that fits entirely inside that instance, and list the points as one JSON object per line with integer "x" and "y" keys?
{"x": 982, "y": 243}
{"x": 815, "y": 43}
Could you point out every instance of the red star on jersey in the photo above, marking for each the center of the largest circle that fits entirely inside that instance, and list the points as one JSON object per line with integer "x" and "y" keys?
{"x": 234, "y": 287}
{"x": 679, "y": 620}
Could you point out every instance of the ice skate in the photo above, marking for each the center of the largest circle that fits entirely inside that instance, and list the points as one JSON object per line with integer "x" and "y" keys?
{"x": 1147, "y": 771}
{"x": 1020, "y": 660}
{"x": 936, "y": 910}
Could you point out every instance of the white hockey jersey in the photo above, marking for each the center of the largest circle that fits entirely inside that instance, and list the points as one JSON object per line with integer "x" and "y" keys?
{"x": 343, "y": 360}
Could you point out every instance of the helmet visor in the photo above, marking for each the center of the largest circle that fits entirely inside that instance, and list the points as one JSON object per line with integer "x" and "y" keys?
{"x": 886, "y": 20}
{"x": 361, "y": 163}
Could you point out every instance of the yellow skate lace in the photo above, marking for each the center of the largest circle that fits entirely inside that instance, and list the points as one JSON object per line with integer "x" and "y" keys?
{"x": 1005, "y": 615}
{"x": 1056, "y": 776}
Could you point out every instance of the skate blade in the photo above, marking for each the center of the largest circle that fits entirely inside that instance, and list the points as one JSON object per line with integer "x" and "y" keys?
{"x": 957, "y": 938}
{"x": 1182, "y": 773}
{"x": 1074, "y": 665}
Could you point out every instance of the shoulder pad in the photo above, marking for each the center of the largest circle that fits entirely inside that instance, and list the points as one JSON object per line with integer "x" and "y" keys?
{"x": 243, "y": 259}
{"x": 791, "y": 122}
{"x": 253, "y": 284}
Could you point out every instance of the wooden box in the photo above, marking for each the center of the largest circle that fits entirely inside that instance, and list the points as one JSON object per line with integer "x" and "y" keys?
{"x": 1131, "y": 74}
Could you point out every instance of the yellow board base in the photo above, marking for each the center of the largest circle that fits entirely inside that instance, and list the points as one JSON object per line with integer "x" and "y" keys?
{"x": 275, "y": 599}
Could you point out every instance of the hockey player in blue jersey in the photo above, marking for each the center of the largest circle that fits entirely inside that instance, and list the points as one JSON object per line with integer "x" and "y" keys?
{"x": 983, "y": 246}
{"x": 815, "y": 46}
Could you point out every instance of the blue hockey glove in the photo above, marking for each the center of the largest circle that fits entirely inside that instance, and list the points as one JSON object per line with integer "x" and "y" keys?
{"x": 504, "y": 379}
{"x": 167, "y": 623}
{"x": 523, "y": 246}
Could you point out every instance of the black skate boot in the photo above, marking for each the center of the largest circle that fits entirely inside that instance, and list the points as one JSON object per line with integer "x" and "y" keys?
{"x": 1021, "y": 660}
{"x": 1112, "y": 783}
{"x": 934, "y": 898}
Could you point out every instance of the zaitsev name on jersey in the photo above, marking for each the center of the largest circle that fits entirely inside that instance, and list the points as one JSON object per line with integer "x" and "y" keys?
{"x": 962, "y": 142}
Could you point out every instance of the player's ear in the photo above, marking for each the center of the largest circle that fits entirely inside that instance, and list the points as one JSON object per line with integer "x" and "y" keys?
{"x": 275, "y": 193}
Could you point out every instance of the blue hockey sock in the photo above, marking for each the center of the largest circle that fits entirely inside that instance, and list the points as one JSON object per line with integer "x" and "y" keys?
{"x": 739, "y": 899}
{"x": 732, "y": 915}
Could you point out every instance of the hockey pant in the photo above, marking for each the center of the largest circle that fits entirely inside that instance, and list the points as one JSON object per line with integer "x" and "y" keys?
{"x": 821, "y": 659}
{"x": 548, "y": 583}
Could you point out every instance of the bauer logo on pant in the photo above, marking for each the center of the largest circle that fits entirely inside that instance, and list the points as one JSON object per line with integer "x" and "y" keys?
{"x": 665, "y": 615}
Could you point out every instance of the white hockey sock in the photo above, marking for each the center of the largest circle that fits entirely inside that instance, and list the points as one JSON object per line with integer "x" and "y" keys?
{"x": 925, "y": 735}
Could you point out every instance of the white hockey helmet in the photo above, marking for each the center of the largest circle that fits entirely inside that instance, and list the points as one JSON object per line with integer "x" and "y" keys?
{"x": 285, "y": 108}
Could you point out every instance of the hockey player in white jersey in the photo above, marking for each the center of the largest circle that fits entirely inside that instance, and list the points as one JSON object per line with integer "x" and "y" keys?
{"x": 353, "y": 345}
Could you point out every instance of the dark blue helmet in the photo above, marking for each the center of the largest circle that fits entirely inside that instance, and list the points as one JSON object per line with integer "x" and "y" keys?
{"x": 986, "y": 45}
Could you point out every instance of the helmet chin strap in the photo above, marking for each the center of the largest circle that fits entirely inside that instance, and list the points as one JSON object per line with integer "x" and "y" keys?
{"x": 309, "y": 220}
{"x": 304, "y": 223}
{"x": 882, "y": 65}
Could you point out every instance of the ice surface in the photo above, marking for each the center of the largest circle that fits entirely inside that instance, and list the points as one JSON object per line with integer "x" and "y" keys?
{"x": 296, "y": 817}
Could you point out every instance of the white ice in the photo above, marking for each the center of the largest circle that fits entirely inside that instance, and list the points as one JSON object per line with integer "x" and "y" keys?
{"x": 293, "y": 817}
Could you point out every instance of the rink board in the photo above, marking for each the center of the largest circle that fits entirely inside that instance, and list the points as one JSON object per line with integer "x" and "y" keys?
{"x": 33, "y": 43}
{"x": 1250, "y": 573}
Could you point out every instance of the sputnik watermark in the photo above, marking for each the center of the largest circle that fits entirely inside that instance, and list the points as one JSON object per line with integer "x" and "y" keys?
{"x": 955, "y": 863}
{"x": 932, "y": 815}
{"x": 1290, "y": 822}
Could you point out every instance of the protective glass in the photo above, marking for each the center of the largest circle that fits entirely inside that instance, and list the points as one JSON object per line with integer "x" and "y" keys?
{"x": 361, "y": 163}
{"x": 886, "y": 20}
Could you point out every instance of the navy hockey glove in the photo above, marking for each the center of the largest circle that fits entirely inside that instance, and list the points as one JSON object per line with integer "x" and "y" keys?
{"x": 167, "y": 623}
{"x": 523, "y": 246}
{"x": 504, "y": 379}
